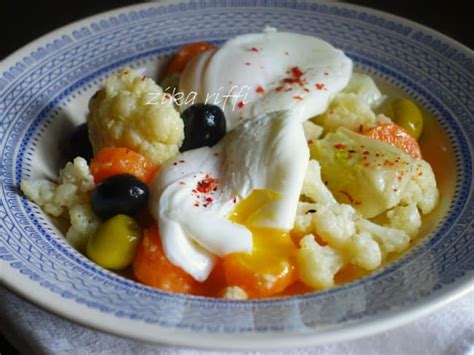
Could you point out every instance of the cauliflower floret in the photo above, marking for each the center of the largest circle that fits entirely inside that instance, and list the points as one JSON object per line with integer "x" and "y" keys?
{"x": 364, "y": 86}
{"x": 42, "y": 192}
{"x": 389, "y": 239}
{"x": 334, "y": 223}
{"x": 371, "y": 175}
{"x": 132, "y": 111}
{"x": 422, "y": 189}
{"x": 312, "y": 131}
{"x": 353, "y": 107}
{"x": 74, "y": 181}
{"x": 365, "y": 251}
{"x": 303, "y": 221}
{"x": 234, "y": 293}
{"x": 318, "y": 265}
{"x": 313, "y": 186}
{"x": 406, "y": 218}
{"x": 347, "y": 110}
{"x": 77, "y": 173}
{"x": 84, "y": 223}
{"x": 70, "y": 194}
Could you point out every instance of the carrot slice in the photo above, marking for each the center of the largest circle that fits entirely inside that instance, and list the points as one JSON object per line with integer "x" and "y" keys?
{"x": 112, "y": 161}
{"x": 184, "y": 56}
{"x": 397, "y": 136}
{"x": 257, "y": 283}
{"x": 151, "y": 267}
{"x": 268, "y": 269}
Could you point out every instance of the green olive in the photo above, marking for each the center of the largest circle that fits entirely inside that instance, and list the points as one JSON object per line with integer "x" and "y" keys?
{"x": 114, "y": 244}
{"x": 406, "y": 114}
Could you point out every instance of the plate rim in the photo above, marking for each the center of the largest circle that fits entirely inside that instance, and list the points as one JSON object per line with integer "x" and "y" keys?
{"x": 260, "y": 341}
{"x": 343, "y": 333}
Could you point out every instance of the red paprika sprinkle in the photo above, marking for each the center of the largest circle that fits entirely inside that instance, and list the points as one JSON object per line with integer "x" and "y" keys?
{"x": 240, "y": 105}
{"x": 206, "y": 185}
{"x": 297, "y": 97}
{"x": 296, "y": 72}
{"x": 259, "y": 90}
{"x": 319, "y": 86}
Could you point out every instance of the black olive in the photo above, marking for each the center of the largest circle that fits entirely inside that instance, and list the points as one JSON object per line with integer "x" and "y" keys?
{"x": 79, "y": 144}
{"x": 204, "y": 125}
{"x": 119, "y": 194}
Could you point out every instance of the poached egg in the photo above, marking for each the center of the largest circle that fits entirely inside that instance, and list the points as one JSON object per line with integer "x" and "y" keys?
{"x": 266, "y": 72}
{"x": 259, "y": 166}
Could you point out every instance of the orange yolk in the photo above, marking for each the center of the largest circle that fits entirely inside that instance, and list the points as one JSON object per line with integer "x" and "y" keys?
{"x": 270, "y": 267}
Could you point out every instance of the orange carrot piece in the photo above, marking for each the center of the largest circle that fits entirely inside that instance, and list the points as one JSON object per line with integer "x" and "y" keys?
{"x": 151, "y": 267}
{"x": 112, "y": 161}
{"x": 257, "y": 283}
{"x": 397, "y": 136}
{"x": 184, "y": 56}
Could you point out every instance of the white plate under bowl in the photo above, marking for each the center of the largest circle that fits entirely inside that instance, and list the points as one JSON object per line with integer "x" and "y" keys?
{"x": 44, "y": 89}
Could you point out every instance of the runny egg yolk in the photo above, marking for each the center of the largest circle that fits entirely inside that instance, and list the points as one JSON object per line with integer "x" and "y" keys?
{"x": 270, "y": 267}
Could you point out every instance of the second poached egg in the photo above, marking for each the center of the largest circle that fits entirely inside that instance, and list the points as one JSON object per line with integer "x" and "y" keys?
{"x": 266, "y": 72}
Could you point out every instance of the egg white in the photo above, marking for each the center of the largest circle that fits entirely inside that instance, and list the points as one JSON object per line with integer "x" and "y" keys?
{"x": 268, "y": 152}
{"x": 246, "y": 76}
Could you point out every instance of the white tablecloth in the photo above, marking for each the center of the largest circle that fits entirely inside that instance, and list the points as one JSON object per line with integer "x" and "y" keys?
{"x": 448, "y": 331}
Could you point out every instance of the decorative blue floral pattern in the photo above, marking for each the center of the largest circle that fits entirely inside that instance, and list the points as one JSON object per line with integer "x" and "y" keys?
{"x": 437, "y": 73}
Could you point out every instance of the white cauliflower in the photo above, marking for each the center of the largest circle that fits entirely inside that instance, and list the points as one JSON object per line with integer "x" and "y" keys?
{"x": 347, "y": 110}
{"x": 373, "y": 176}
{"x": 78, "y": 174}
{"x": 312, "y": 131}
{"x": 421, "y": 189}
{"x": 359, "y": 241}
{"x": 313, "y": 186}
{"x": 304, "y": 219}
{"x": 84, "y": 223}
{"x": 68, "y": 198}
{"x": 132, "y": 111}
{"x": 389, "y": 239}
{"x": 364, "y": 86}
{"x": 334, "y": 223}
{"x": 406, "y": 218}
{"x": 364, "y": 251}
{"x": 353, "y": 107}
{"x": 317, "y": 265}
{"x": 74, "y": 182}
